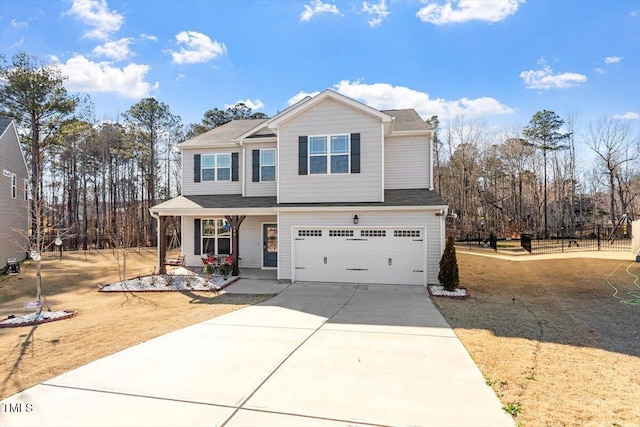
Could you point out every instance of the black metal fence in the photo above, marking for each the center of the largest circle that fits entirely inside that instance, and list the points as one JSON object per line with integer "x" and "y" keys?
{"x": 598, "y": 239}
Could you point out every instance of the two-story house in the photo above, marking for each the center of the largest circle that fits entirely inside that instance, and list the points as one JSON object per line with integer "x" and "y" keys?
{"x": 327, "y": 190}
{"x": 14, "y": 194}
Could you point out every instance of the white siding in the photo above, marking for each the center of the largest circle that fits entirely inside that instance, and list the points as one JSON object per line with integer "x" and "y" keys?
{"x": 257, "y": 189}
{"x": 406, "y": 162}
{"x": 191, "y": 188}
{"x": 426, "y": 219}
{"x": 331, "y": 117}
{"x": 250, "y": 241}
{"x": 13, "y": 212}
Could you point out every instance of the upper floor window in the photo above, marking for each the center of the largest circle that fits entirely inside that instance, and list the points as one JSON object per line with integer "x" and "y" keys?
{"x": 268, "y": 164}
{"x": 14, "y": 186}
{"x": 216, "y": 167}
{"x": 26, "y": 189}
{"x": 329, "y": 154}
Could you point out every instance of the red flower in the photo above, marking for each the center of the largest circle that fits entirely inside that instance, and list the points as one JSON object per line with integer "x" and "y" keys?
{"x": 229, "y": 259}
{"x": 211, "y": 259}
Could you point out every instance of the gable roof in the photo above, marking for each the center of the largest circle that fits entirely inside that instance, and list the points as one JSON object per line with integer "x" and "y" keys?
{"x": 4, "y": 124}
{"x": 307, "y": 103}
{"x": 222, "y": 135}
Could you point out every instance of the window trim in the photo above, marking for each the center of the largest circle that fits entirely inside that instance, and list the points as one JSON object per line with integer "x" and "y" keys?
{"x": 26, "y": 189}
{"x": 261, "y": 165}
{"x": 215, "y": 167}
{"x": 214, "y": 236}
{"x": 329, "y": 154}
{"x": 14, "y": 186}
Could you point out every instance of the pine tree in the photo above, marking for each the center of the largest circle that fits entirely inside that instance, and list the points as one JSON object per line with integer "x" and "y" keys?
{"x": 448, "y": 275}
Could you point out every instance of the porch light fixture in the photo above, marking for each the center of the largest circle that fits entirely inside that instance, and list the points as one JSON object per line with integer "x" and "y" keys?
{"x": 356, "y": 219}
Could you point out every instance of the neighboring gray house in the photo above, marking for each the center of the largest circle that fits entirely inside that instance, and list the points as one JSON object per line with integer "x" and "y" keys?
{"x": 14, "y": 196}
{"x": 328, "y": 190}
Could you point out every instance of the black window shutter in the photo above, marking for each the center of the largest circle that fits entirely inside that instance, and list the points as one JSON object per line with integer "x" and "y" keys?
{"x": 302, "y": 155}
{"x": 255, "y": 166}
{"x": 196, "y": 168}
{"x": 196, "y": 236}
{"x": 355, "y": 153}
{"x": 234, "y": 166}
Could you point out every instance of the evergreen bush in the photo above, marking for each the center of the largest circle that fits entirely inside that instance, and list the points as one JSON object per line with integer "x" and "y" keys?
{"x": 448, "y": 275}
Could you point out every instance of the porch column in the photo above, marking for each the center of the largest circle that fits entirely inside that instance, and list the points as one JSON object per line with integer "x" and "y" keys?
{"x": 235, "y": 221}
{"x": 163, "y": 223}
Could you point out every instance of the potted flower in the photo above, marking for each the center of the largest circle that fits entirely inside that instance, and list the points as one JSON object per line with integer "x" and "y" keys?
{"x": 226, "y": 266}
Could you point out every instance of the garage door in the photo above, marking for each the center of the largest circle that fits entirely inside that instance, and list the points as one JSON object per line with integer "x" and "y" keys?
{"x": 359, "y": 255}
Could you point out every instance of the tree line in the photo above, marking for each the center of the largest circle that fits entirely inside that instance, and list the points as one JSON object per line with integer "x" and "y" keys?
{"x": 530, "y": 179}
{"x": 93, "y": 182}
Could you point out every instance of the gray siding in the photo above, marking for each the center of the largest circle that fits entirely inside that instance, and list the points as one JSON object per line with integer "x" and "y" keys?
{"x": 14, "y": 213}
{"x": 209, "y": 187}
{"x": 250, "y": 240}
{"x": 426, "y": 218}
{"x": 406, "y": 162}
{"x": 258, "y": 189}
{"x": 327, "y": 118}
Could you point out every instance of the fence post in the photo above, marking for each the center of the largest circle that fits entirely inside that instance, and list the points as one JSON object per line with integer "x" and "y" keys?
{"x": 598, "y": 232}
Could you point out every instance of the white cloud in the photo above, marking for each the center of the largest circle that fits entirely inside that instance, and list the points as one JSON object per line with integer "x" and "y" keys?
{"x": 199, "y": 48}
{"x": 253, "y": 104}
{"x": 97, "y": 15}
{"x": 180, "y": 76}
{"x": 19, "y": 24}
{"x": 300, "y": 95}
{"x": 544, "y": 78}
{"x": 377, "y": 12}
{"x": 17, "y": 44}
{"x": 629, "y": 115}
{"x": 384, "y": 96}
{"x": 635, "y": 12}
{"x": 148, "y": 37}
{"x": 599, "y": 70}
{"x": 468, "y": 10}
{"x": 117, "y": 50}
{"x": 316, "y": 7}
{"x": 612, "y": 59}
{"x": 88, "y": 76}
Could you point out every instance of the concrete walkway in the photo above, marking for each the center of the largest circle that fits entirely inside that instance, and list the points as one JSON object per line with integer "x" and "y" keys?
{"x": 316, "y": 355}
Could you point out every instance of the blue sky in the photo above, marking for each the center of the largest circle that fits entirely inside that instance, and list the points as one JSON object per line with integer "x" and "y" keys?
{"x": 496, "y": 62}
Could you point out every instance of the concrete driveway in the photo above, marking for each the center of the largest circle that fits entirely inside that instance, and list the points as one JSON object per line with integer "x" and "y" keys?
{"x": 318, "y": 354}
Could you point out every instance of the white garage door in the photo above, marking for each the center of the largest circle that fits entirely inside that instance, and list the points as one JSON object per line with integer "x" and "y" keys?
{"x": 359, "y": 255}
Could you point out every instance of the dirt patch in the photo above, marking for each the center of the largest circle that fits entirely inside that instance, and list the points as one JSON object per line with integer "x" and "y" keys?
{"x": 550, "y": 336}
{"x": 105, "y": 323}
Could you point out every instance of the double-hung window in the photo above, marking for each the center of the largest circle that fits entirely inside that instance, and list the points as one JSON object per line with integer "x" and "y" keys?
{"x": 216, "y": 237}
{"x": 26, "y": 189}
{"x": 268, "y": 164}
{"x": 216, "y": 167}
{"x": 329, "y": 154}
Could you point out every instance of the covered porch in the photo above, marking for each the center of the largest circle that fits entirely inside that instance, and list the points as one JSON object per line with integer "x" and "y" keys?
{"x": 245, "y": 228}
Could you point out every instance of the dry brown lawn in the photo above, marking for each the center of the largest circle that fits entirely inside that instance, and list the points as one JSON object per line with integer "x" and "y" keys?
{"x": 105, "y": 323}
{"x": 550, "y": 336}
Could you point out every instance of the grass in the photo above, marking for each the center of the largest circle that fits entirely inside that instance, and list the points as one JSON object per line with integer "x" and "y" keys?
{"x": 551, "y": 336}
{"x": 106, "y": 322}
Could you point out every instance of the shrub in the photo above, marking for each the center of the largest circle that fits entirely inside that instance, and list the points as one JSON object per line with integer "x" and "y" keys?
{"x": 448, "y": 275}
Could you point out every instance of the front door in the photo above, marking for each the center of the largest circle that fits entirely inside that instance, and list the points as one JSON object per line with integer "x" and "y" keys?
{"x": 270, "y": 245}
